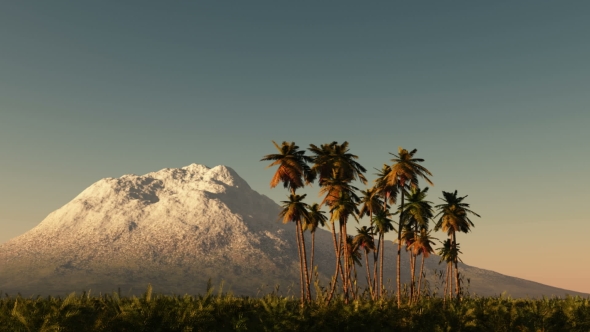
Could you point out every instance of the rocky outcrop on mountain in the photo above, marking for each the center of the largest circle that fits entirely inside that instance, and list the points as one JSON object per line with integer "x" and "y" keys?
{"x": 176, "y": 229}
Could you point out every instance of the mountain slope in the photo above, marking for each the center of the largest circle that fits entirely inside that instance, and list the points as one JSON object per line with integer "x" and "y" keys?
{"x": 175, "y": 229}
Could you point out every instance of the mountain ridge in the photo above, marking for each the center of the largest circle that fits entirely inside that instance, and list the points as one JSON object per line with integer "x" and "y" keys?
{"x": 176, "y": 228}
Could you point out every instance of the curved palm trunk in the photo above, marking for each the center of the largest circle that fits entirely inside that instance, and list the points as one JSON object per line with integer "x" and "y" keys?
{"x": 301, "y": 278}
{"x": 399, "y": 251}
{"x": 304, "y": 255}
{"x": 419, "y": 291}
{"x": 338, "y": 267}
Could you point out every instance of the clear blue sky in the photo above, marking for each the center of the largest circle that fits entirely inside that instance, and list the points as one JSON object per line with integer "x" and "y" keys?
{"x": 494, "y": 95}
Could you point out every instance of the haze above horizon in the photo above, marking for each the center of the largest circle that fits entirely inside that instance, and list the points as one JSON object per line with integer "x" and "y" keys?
{"x": 493, "y": 95}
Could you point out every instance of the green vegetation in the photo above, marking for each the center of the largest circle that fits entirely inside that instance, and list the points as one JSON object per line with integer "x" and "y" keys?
{"x": 224, "y": 312}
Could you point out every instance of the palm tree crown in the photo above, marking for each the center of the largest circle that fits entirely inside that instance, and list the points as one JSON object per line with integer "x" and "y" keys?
{"x": 417, "y": 210}
{"x": 316, "y": 217}
{"x": 454, "y": 214}
{"x": 406, "y": 170}
{"x": 294, "y": 209}
{"x": 364, "y": 238}
{"x": 334, "y": 157}
{"x": 293, "y": 170}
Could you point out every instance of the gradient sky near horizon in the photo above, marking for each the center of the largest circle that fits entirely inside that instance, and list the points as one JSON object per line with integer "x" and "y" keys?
{"x": 494, "y": 95}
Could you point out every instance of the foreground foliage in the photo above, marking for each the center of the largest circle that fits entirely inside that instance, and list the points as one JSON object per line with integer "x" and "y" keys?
{"x": 224, "y": 312}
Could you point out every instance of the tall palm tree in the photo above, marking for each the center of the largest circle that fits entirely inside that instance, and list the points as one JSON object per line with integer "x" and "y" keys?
{"x": 295, "y": 210}
{"x": 365, "y": 240}
{"x": 417, "y": 213}
{"x": 407, "y": 238}
{"x": 405, "y": 172}
{"x": 449, "y": 253}
{"x": 383, "y": 224}
{"x": 370, "y": 202}
{"x": 316, "y": 218}
{"x": 341, "y": 210}
{"x": 422, "y": 245}
{"x": 354, "y": 257}
{"x": 335, "y": 168}
{"x": 454, "y": 217}
{"x": 293, "y": 170}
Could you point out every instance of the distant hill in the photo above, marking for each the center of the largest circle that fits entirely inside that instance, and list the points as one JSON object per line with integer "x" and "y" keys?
{"x": 175, "y": 229}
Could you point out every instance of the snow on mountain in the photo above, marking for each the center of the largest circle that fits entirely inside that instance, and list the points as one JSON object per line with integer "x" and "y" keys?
{"x": 175, "y": 229}
{"x": 185, "y": 220}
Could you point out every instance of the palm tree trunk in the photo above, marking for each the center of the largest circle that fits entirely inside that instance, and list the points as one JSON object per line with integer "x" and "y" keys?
{"x": 414, "y": 258}
{"x": 338, "y": 267}
{"x": 344, "y": 245}
{"x": 312, "y": 254}
{"x": 381, "y": 265}
{"x": 301, "y": 279}
{"x": 451, "y": 280}
{"x": 304, "y": 254}
{"x": 457, "y": 280}
{"x": 412, "y": 277}
{"x": 368, "y": 273}
{"x": 399, "y": 251}
{"x": 354, "y": 287}
{"x": 446, "y": 282}
{"x": 375, "y": 263}
{"x": 375, "y": 255}
{"x": 419, "y": 291}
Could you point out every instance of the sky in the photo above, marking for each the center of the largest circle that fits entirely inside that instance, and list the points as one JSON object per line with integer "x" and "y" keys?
{"x": 494, "y": 95}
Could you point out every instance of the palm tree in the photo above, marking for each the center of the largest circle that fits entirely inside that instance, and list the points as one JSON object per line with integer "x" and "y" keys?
{"x": 316, "y": 218}
{"x": 422, "y": 245}
{"x": 336, "y": 168}
{"x": 364, "y": 239}
{"x": 407, "y": 238}
{"x": 417, "y": 213}
{"x": 353, "y": 258}
{"x": 445, "y": 255}
{"x": 383, "y": 224}
{"x": 342, "y": 209}
{"x": 405, "y": 172}
{"x": 370, "y": 203}
{"x": 449, "y": 253}
{"x": 454, "y": 218}
{"x": 293, "y": 170}
{"x": 295, "y": 210}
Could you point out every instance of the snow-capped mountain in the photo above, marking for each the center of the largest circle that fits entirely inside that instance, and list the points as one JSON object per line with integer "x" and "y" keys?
{"x": 175, "y": 229}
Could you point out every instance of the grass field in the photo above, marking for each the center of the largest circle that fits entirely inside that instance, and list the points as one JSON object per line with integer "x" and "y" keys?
{"x": 225, "y": 312}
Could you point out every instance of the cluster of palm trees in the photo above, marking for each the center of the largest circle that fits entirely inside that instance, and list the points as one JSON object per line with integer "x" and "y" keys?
{"x": 335, "y": 168}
